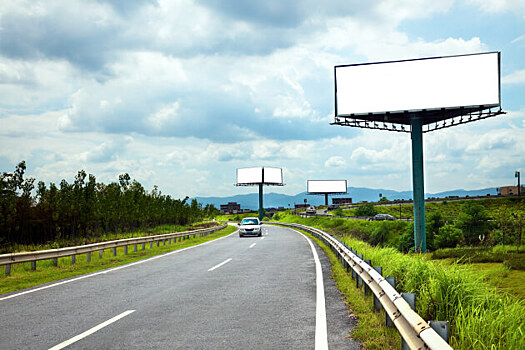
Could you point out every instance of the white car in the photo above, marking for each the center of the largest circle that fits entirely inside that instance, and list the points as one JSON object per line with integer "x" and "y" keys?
{"x": 250, "y": 227}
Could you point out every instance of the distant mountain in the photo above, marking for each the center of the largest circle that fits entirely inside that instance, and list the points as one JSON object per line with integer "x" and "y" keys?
{"x": 358, "y": 194}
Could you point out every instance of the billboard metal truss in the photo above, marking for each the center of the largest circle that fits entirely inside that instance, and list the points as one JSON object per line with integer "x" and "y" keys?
{"x": 375, "y": 123}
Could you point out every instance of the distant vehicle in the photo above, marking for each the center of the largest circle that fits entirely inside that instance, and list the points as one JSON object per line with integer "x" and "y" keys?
{"x": 250, "y": 227}
{"x": 310, "y": 210}
{"x": 332, "y": 207}
{"x": 381, "y": 217}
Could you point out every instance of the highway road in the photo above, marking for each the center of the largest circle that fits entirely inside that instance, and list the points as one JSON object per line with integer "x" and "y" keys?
{"x": 231, "y": 293}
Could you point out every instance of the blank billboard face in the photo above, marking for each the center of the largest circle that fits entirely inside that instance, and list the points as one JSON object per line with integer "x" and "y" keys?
{"x": 273, "y": 175}
{"x": 326, "y": 186}
{"x": 415, "y": 85}
{"x": 258, "y": 175}
{"x": 249, "y": 175}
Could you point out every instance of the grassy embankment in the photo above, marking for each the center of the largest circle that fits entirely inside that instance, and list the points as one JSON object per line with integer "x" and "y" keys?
{"x": 449, "y": 209}
{"x": 481, "y": 316}
{"x": 22, "y": 277}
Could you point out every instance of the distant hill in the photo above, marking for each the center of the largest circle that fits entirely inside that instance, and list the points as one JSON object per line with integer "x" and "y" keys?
{"x": 358, "y": 194}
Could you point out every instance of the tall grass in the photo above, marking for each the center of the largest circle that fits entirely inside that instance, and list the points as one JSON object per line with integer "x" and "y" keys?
{"x": 480, "y": 317}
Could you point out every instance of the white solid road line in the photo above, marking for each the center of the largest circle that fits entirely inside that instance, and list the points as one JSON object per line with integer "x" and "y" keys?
{"x": 219, "y": 265}
{"x": 113, "y": 269}
{"x": 321, "y": 333}
{"x": 253, "y": 245}
{"x": 90, "y": 331}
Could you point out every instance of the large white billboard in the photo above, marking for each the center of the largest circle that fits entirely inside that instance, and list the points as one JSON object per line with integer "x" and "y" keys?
{"x": 249, "y": 175}
{"x": 259, "y": 174}
{"x": 326, "y": 186}
{"x": 421, "y": 84}
{"x": 273, "y": 175}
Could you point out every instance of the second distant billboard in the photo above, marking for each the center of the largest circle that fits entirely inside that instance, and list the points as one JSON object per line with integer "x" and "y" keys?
{"x": 258, "y": 175}
{"x": 326, "y": 186}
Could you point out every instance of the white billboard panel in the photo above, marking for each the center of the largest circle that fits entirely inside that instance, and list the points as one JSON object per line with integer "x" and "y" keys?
{"x": 273, "y": 175}
{"x": 258, "y": 175}
{"x": 415, "y": 85}
{"x": 326, "y": 186}
{"x": 249, "y": 175}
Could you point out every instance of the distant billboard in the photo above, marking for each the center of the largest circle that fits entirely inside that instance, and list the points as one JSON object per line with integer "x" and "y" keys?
{"x": 467, "y": 81}
{"x": 258, "y": 175}
{"x": 326, "y": 186}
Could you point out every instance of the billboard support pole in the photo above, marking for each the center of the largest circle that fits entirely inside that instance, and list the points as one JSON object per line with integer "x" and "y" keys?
{"x": 326, "y": 198}
{"x": 261, "y": 210}
{"x": 418, "y": 185}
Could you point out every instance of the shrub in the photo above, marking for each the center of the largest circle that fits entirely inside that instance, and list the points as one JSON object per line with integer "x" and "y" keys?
{"x": 406, "y": 241}
{"x": 448, "y": 236}
{"x": 366, "y": 209}
{"x": 516, "y": 262}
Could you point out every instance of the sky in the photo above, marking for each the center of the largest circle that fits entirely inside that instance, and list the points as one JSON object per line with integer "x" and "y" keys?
{"x": 181, "y": 93}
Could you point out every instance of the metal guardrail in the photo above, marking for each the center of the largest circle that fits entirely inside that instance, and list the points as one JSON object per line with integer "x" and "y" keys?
{"x": 417, "y": 333}
{"x": 34, "y": 256}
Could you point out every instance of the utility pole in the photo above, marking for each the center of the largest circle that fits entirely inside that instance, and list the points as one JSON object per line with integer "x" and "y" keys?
{"x": 517, "y": 174}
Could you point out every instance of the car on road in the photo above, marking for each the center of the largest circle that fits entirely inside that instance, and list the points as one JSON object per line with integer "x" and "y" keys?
{"x": 311, "y": 210}
{"x": 250, "y": 227}
{"x": 382, "y": 217}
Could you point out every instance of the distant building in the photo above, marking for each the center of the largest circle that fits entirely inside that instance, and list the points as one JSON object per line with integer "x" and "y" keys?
{"x": 509, "y": 190}
{"x": 341, "y": 201}
{"x": 231, "y": 208}
{"x": 301, "y": 206}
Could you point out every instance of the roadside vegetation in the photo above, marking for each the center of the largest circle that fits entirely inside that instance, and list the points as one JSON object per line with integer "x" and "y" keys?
{"x": 23, "y": 277}
{"x": 85, "y": 211}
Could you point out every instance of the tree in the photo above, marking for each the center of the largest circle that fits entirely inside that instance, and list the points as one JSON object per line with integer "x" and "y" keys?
{"x": 448, "y": 236}
{"x": 504, "y": 220}
{"x": 434, "y": 222}
{"x": 366, "y": 209}
{"x": 473, "y": 222}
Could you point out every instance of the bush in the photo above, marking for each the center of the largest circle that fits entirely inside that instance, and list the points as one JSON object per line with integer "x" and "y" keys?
{"x": 366, "y": 210}
{"x": 517, "y": 262}
{"x": 448, "y": 236}
{"x": 338, "y": 211}
{"x": 379, "y": 235}
{"x": 406, "y": 241}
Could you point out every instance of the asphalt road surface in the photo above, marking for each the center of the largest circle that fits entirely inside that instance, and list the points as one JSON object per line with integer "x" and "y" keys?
{"x": 231, "y": 293}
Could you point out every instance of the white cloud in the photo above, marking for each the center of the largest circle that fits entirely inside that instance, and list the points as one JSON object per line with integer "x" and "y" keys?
{"x": 335, "y": 161}
{"x": 516, "y": 77}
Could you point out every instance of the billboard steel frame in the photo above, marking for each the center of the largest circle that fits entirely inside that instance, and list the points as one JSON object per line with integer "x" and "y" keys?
{"x": 417, "y": 122}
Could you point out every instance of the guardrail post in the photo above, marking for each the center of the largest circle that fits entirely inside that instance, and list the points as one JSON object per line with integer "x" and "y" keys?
{"x": 33, "y": 265}
{"x": 55, "y": 261}
{"x": 7, "y": 269}
{"x": 353, "y": 271}
{"x": 114, "y": 251}
{"x": 125, "y": 250}
{"x": 410, "y": 298}
{"x": 441, "y": 328}
{"x": 88, "y": 256}
{"x": 73, "y": 259}
{"x": 358, "y": 280}
{"x": 377, "y": 303}
{"x": 388, "y": 321}
{"x": 158, "y": 242}
{"x": 143, "y": 246}
{"x": 163, "y": 242}
{"x": 367, "y": 290}
{"x": 100, "y": 253}
{"x": 150, "y": 245}
{"x": 135, "y": 247}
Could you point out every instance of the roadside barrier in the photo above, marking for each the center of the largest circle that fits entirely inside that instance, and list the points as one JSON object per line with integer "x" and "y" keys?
{"x": 33, "y": 257}
{"x": 415, "y": 332}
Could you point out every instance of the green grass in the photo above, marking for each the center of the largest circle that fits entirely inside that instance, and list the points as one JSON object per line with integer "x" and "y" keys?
{"x": 370, "y": 330}
{"x": 448, "y": 209}
{"x": 23, "y": 277}
{"x": 481, "y": 316}
{"x": 103, "y": 237}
